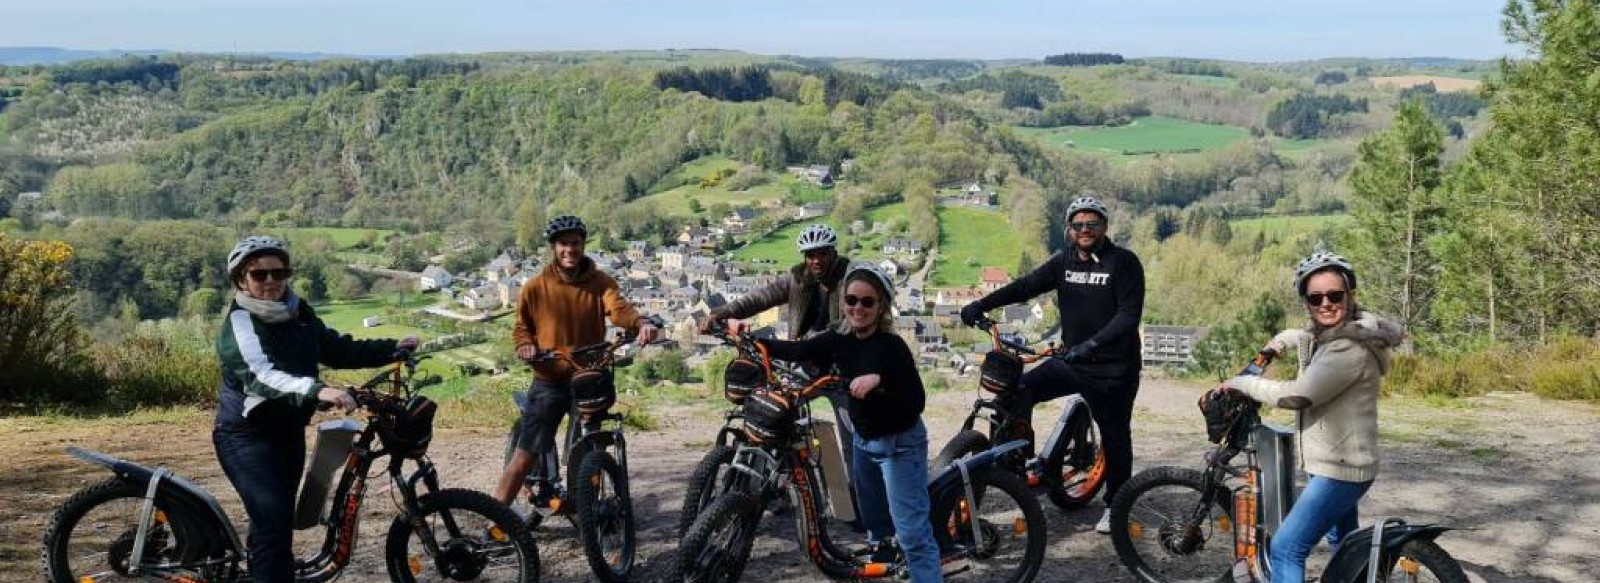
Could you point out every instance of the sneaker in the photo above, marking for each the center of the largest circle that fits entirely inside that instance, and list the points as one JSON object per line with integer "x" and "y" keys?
{"x": 1104, "y": 526}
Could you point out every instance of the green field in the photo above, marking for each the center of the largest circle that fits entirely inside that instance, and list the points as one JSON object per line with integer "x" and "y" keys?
{"x": 675, "y": 200}
{"x": 346, "y": 316}
{"x": 777, "y": 247}
{"x": 1279, "y": 227}
{"x": 970, "y": 239}
{"x": 1145, "y": 135}
{"x": 344, "y": 237}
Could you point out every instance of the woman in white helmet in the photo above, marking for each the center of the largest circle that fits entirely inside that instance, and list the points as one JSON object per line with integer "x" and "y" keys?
{"x": 890, "y": 462}
{"x": 271, "y": 348}
{"x": 1344, "y": 354}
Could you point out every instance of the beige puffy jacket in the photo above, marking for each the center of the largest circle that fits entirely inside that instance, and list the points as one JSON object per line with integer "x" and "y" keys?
{"x": 1341, "y": 373}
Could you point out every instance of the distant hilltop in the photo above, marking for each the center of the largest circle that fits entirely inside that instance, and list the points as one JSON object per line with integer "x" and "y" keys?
{"x": 58, "y": 55}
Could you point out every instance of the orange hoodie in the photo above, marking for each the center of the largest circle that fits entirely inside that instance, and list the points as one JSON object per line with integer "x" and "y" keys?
{"x": 554, "y": 313}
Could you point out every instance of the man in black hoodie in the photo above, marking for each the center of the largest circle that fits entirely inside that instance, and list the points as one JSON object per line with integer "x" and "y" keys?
{"x": 1100, "y": 296}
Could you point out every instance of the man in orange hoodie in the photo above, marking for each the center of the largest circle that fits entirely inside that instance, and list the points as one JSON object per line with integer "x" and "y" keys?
{"x": 563, "y": 307}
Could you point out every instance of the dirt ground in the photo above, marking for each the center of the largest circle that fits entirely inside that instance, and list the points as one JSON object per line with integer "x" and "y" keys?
{"x": 1519, "y": 474}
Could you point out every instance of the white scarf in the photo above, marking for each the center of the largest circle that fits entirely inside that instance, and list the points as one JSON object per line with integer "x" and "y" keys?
{"x": 269, "y": 311}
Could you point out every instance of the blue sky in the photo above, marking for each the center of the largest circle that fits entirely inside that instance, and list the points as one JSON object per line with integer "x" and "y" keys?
{"x": 1257, "y": 30}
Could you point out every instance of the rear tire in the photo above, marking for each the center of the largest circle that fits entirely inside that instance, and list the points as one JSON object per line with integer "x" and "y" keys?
{"x": 1422, "y": 556}
{"x": 1007, "y": 510}
{"x": 703, "y": 485}
{"x": 718, "y": 544}
{"x": 479, "y": 539}
{"x": 79, "y": 540}
{"x": 1075, "y": 474}
{"x": 1151, "y": 532}
{"x": 604, "y": 512}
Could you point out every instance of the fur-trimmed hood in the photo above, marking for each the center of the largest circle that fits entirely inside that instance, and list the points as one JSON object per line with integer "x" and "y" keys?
{"x": 1373, "y": 332}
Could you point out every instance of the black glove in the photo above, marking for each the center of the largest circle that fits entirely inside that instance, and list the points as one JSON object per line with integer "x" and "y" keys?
{"x": 971, "y": 313}
{"x": 1080, "y": 350}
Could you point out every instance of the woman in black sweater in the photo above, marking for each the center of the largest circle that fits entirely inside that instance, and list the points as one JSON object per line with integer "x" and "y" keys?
{"x": 891, "y": 443}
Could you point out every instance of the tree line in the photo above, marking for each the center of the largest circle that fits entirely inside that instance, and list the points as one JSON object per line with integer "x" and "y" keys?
{"x": 1083, "y": 59}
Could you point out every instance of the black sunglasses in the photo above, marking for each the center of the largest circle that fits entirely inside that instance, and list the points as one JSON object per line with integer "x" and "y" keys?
{"x": 279, "y": 274}
{"x": 1315, "y": 299}
{"x": 1087, "y": 225}
{"x": 867, "y": 302}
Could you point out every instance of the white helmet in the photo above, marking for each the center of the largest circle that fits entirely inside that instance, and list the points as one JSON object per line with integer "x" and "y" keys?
{"x": 817, "y": 236}
{"x": 1088, "y": 203}
{"x": 255, "y": 244}
{"x": 883, "y": 280}
{"x": 1319, "y": 261}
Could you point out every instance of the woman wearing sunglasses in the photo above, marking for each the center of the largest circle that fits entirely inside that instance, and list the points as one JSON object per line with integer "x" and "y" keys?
{"x": 890, "y": 464}
{"x": 270, "y": 348}
{"x": 1344, "y": 354}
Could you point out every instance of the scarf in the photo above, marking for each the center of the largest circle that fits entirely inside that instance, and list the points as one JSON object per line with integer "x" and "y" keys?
{"x": 269, "y": 311}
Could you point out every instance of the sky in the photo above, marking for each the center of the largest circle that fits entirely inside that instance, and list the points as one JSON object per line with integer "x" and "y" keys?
{"x": 1250, "y": 30}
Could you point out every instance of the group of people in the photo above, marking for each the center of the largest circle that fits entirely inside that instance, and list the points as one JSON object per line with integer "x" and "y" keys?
{"x": 840, "y": 315}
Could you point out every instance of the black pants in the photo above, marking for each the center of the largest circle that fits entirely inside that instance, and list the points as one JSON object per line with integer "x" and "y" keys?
{"x": 265, "y": 470}
{"x": 1109, "y": 390}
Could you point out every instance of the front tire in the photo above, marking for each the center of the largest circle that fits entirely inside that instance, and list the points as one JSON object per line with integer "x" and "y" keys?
{"x": 703, "y": 485}
{"x": 718, "y": 545}
{"x": 966, "y": 443}
{"x": 1012, "y": 533}
{"x": 478, "y": 539}
{"x": 604, "y": 512}
{"x": 1156, "y": 536}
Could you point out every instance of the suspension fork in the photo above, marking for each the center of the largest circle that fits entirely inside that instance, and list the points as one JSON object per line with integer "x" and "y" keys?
{"x": 429, "y": 477}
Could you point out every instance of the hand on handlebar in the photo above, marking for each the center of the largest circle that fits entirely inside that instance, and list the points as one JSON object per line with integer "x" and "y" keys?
{"x": 647, "y": 333}
{"x": 336, "y": 398}
{"x": 972, "y": 315}
{"x": 529, "y": 353}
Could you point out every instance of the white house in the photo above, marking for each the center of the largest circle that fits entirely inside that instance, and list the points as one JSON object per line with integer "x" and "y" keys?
{"x": 434, "y": 277}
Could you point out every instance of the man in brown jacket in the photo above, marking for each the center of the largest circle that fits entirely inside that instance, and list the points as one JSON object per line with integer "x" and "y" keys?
{"x": 809, "y": 293}
{"x": 565, "y": 306}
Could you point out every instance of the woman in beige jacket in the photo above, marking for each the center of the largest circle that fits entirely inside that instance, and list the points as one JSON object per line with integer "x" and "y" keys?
{"x": 1344, "y": 354}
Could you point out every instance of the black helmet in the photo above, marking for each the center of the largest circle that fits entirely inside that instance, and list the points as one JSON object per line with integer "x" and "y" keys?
{"x": 562, "y": 224}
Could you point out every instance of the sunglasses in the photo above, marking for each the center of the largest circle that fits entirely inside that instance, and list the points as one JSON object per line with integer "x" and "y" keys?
{"x": 1087, "y": 225}
{"x": 279, "y": 274}
{"x": 1315, "y": 299}
{"x": 867, "y": 302}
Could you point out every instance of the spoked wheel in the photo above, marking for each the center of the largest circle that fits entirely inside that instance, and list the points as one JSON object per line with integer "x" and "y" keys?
{"x": 703, "y": 485}
{"x": 1422, "y": 561}
{"x": 1077, "y": 471}
{"x": 605, "y": 516}
{"x": 91, "y": 537}
{"x": 1002, "y": 539}
{"x": 475, "y": 538}
{"x": 1168, "y": 529}
{"x": 717, "y": 546}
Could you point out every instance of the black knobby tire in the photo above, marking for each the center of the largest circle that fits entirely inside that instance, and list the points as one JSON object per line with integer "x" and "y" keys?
{"x": 1207, "y": 558}
{"x": 1076, "y": 473}
{"x": 966, "y": 443}
{"x": 185, "y": 539}
{"x": 604, "y": 512}
{"x": 702, "y": 486}
{"x": 1426, "y": 556}
{"x": 479, "y": 539}
{"x": 718, "y": 544}
{"x": 989, "y": 486}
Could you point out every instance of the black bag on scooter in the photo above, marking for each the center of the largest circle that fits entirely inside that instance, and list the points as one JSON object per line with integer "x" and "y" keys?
{"x": 1000, "y": 372}
{"x": 740, "y": 378}
{"x": 768, "y": 417}
{"x": 594, "y": 391}
{"x": 410, "y": 431}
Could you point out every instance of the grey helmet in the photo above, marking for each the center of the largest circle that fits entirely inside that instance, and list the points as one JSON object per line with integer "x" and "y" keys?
{"x": 883, "y": 280}
{"x": 1321, "y": 260}
{"x": 817, "y": 236}
{"x": 562, "y": 224}
{"x": 1091, "y": 204}
{"x": 252, "y": 245}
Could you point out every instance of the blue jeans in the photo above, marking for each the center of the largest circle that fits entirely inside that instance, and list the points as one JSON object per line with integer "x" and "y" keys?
{"x": 1326, "y": 507}
{"x": 891, "y": 477}
{"x": 265, "y": 470}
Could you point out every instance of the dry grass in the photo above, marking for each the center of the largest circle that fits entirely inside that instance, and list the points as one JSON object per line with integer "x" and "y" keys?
{"x": 1443, "y": 84}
